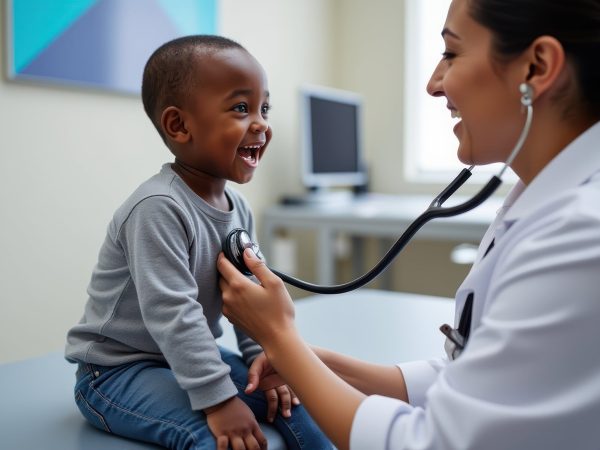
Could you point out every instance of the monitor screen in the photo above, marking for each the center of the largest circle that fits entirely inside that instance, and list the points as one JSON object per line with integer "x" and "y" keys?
{"x": 332, "y": 152}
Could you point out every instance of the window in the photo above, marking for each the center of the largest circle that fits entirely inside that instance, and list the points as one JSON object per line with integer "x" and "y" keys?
{"x": 430, "y": 145}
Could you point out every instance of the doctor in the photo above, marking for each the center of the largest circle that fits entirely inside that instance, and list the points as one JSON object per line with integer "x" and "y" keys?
{"x": 523, "y": 370}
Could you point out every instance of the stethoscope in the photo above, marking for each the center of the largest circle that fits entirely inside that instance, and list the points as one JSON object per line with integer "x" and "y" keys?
{"x": 239, "y": 239}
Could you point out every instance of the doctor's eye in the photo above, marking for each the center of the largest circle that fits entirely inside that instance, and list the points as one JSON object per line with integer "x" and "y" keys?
{"x": 448, "y": 55}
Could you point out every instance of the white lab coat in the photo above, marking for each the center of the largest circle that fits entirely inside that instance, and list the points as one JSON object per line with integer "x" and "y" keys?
{"x": 529, "y": 376}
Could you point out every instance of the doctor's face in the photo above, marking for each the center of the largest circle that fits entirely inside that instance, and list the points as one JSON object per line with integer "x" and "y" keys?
{"x": 481, "y": 93}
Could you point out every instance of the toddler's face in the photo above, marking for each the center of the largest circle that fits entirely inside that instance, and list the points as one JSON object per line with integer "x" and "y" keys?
{"x": 226, "y": 116}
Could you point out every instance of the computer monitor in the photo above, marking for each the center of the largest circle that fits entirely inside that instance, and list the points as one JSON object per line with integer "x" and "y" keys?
{"x": 332, "y": 148}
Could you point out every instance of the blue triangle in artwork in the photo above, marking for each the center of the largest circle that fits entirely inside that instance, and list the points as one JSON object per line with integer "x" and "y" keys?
{"x": 37, "y": 22}
{"x": 107, "y": 47}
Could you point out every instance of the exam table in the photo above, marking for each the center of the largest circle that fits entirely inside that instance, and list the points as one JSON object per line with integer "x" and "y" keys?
{"x": 37, "y": 410}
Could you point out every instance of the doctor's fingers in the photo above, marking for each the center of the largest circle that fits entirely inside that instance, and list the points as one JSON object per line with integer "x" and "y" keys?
{"x": 258, "y": 267}
{"x": 227, "y": 269}
{"x": 232, "y": 282}
{"x": 236, "y": 291}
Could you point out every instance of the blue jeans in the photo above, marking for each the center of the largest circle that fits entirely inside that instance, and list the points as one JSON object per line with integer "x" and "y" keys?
{"x": 143, "y": 401}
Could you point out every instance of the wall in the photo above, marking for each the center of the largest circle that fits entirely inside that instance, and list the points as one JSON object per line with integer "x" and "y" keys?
{"x": 69, "y": 157}
{"x": 369, "y": 43}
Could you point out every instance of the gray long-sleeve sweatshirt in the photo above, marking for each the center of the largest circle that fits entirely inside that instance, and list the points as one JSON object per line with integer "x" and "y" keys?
{"x": 154, "y": 292}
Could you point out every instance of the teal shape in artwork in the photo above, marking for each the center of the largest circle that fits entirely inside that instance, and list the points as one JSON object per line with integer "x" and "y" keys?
{"x": 38, "y": 22}
{"x": 192, "y": 16}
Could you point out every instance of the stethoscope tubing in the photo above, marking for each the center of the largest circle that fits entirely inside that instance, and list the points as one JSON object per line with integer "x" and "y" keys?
{"x": 434, "y": 211}
{"x": 234, "y": 250}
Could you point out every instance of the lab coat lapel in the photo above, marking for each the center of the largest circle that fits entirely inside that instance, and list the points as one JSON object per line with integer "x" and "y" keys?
{"x": 573, "y": 166}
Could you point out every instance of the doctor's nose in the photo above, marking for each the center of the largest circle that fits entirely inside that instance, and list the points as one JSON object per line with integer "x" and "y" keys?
{"x": 435, "y": 86}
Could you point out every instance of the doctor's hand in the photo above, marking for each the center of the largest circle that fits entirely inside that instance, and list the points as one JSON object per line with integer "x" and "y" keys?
{"x": 263, "y": 376}
{"x": 263, "y": 311}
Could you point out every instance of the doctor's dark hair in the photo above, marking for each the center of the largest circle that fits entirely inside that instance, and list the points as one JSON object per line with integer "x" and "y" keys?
{"x": 173, "y": 70}
{"x": 515, "y": 24}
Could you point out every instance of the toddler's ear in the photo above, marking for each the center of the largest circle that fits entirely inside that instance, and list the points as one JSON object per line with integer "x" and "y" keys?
{"x": 173, "y": 125}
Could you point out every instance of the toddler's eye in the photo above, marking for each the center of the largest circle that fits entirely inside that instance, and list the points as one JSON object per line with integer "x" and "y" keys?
{"x": 241, "y": 108}
{"x": 265, "y": 109}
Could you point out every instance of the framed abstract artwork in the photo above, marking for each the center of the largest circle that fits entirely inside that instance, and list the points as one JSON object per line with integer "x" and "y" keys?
{"x": 97, "y": 43}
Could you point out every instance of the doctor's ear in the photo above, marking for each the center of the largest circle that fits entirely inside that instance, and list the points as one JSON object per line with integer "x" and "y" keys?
{"x": 173, "y": 125}
{"x": 546, "y": 62}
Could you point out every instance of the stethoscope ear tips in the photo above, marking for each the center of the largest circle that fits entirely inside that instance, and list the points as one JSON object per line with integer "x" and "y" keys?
{"x": 526, "y": 94}
{"x": 234, "y": 245}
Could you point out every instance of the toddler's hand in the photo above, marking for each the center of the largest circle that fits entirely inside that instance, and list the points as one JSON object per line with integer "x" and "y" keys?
{"x": 234, "y": 426}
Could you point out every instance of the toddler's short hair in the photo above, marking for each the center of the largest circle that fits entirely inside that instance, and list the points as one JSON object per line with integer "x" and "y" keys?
{"x": 170, "y": 71}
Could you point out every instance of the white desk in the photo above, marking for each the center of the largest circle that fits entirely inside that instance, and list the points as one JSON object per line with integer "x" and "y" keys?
{"x": 371, "y": 215}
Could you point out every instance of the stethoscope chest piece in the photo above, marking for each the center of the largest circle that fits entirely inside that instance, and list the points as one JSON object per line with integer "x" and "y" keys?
{"x": 234, "y": 245}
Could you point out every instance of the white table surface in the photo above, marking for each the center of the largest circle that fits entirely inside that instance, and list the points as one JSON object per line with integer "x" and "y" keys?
{"x": 378, "y": 326}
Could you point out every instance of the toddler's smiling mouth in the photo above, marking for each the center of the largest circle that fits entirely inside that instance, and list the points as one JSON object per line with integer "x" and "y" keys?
{"x": 250, "y": 153}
